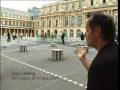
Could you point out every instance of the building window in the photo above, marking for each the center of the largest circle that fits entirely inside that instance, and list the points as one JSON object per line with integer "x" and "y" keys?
{"x": 23, "y": 24}
{"x": 33, "y": 25}
{"x": 49, "y": 23}
{"x": 1, "y": 23}
{"x": 20, "y": 23}
{"x": 56, "y": 23}
{"x": 5, "y": 22}
{"x": 78, "y": 33}
{"x": 73, "y": 5}
{"x": 43, "y": 24}
{"x": 50, "y": 9}
{"x": 66, "y": 21}
{"x": 9, "y": 22}
{"x": 80, "y": 4}
{"x": 91, "y": 2}
{"x": 66, "y": 7}
{"x": 79, "y": 22}
{"x": 104, "y": 1}
{"x": 57, "y": 8}
{"x": 55, "y": 32}
{"x": 71, "y": 33}
{"x": 65, "y": 31}
{"x": 17, "y": 23}
{"x": 13, "y": 23}
{"x": 73, "y": 21}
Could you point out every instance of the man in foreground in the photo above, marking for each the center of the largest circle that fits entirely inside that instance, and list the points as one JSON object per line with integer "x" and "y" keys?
{"x": 103, "y": 71}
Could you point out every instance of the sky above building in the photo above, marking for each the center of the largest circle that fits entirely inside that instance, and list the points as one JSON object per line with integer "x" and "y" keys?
{"x": 24, "y": 5}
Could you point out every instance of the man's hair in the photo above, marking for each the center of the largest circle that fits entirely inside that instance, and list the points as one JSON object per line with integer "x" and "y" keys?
{"x": 105, "y": 23}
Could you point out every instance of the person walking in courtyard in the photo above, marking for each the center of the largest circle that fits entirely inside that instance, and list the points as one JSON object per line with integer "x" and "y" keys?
{"x": 21, "y": 35}
{"x": 62, "y": 37}
{"x": 8, "y": 37}
{"x": 82, "y": 36}
{"x": 103, "y": 71}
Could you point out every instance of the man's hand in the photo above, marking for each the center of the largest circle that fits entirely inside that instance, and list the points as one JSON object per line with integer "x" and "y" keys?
{"x": 81, "y": 53}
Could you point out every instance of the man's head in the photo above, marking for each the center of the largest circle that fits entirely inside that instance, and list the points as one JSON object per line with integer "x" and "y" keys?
{"x": 99, "y": 27}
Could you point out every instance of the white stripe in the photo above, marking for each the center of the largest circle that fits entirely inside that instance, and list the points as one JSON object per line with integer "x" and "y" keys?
{"x": 64, "y": 78}
{"x": 69, "y": 80}
{"x": 75, "y": 82}
{"x": 81, "y": 85}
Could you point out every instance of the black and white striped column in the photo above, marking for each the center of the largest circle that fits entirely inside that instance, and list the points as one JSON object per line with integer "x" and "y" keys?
{"x": 23, "y": 48}
{"x": 57, "y": 54}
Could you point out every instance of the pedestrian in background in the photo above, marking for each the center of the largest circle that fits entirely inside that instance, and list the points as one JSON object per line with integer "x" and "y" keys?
{"x": 8, "y": 37}
{"x": 62, "y": 37}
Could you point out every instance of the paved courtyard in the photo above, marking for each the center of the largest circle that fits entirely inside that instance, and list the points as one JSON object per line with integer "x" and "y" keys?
{"x": 35, "y": 69}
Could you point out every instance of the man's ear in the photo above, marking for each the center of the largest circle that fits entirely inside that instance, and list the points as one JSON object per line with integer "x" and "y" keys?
{"x": 98, "y": 31}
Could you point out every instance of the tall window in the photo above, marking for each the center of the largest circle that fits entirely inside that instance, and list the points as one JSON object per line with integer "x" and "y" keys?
{"x": 73, "y": 5}
{"x": 57, "y": 8}
{"x": 23, "y": 24}
{"x": 66, "y": 7}
{"x": 66, "y": 21}
{"x": 5, "y": 22}
{"x": 13, "y": 23}
{"x": 49, "y": 23}
{"x": 80, "y": 4}
{"x": 79, "y": 22}
{"x": 56, "y": 23}
{"x": 50, "y": 9}
{"x": 43, "y": 24}
{"x": 78, "y": 33}
{"x": 73, "y": 21}
{"x": 91, "y": 2}
{"x": 65, "y": 31}
{"x": 104, "y": 1}
{"x": 20, "y": 23}
{"x": 55, "y": 32}
{"x": 9, "y": 22}
{"x": 71, "y": 33}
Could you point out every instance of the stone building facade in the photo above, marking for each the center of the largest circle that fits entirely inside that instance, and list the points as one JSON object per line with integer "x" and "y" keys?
{"x": 70, "y": 15}
{"x": 66, "y": 15}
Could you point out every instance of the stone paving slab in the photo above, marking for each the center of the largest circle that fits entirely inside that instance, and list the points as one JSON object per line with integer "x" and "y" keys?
{"x": 39, "y": 57}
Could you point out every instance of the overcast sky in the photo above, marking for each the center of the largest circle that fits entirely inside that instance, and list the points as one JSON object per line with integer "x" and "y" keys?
{"x": 24, "y": 5}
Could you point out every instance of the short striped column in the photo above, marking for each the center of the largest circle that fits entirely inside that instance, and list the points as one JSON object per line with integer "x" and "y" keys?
{"x": 23, "y": 48}
{"x": 57, "y": 54}
{"x": 53, "y": 44}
